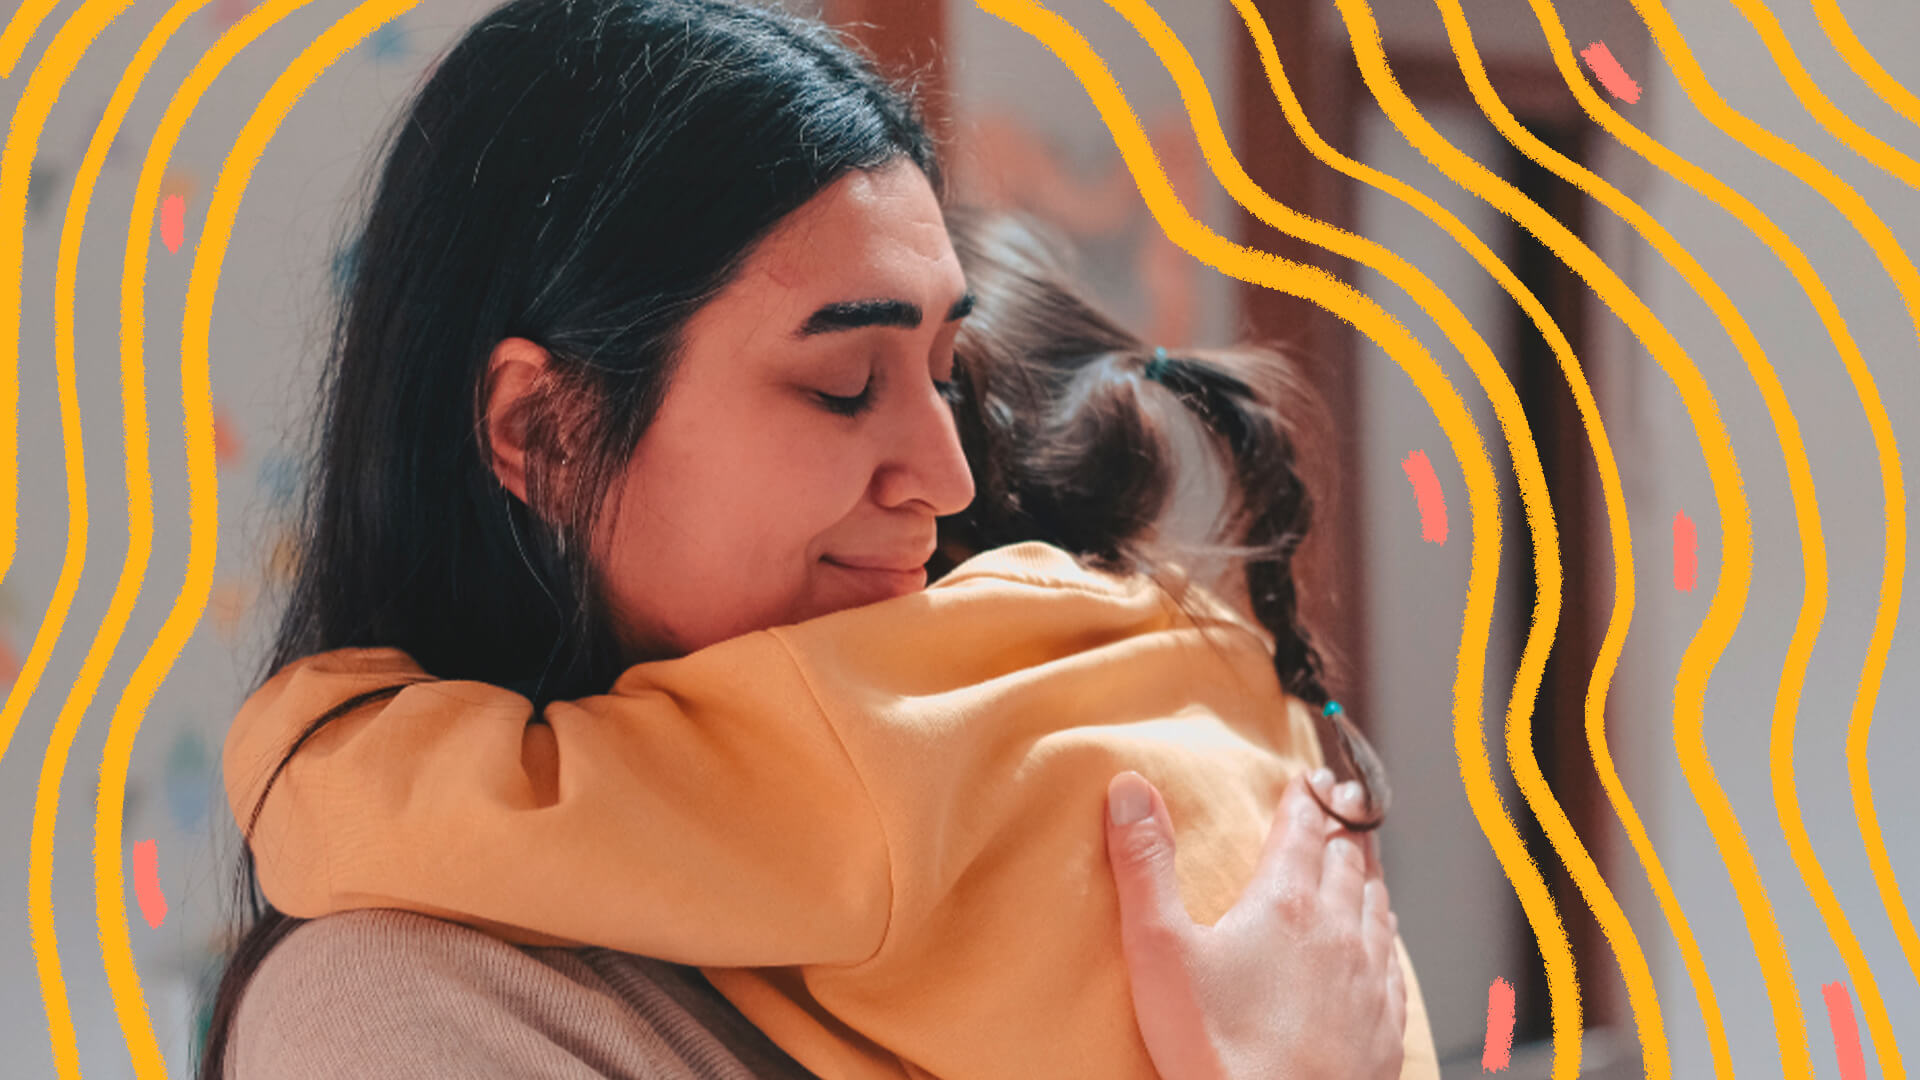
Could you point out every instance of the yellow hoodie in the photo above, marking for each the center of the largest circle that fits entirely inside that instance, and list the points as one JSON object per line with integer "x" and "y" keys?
{"x": 879, "y": 832}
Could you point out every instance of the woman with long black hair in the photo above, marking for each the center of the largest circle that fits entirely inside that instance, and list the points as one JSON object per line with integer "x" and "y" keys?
{"x": 560, "y": 433}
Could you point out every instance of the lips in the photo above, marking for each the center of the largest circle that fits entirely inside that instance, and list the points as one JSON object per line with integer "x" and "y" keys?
{"x": 881, "y": 579}
{"x": 878, "y": 566}
{"x": 902, "y": 560}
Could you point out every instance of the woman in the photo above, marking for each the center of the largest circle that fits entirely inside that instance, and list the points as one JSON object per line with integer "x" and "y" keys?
{"x": 593, "y": 266}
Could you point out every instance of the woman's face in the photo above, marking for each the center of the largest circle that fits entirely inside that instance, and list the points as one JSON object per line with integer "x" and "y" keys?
{"x": 803, "y": 449}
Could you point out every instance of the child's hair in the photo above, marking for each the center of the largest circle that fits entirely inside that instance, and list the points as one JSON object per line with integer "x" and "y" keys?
{"x": 1075, "y": 430}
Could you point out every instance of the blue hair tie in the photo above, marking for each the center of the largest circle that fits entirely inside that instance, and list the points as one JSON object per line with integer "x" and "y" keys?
{"x": 1156, "y": 369}
{"x": 1332, "y": 709}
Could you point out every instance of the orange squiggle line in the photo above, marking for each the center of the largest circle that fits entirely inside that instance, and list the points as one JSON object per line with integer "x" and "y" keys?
{"x": 1834, "y": 23}
{"x": 1838, "y": 124}
{"x": 1638, "y": 977}
{"x": 1878, "y": 422}
{"x": 1729, "y": 598}
{"x": 1769, "y": 945}
{"x": 202, "y": 476}
{"x": 13, "y": 40}
{"x": 63, "y": 57}
{"x": 1344, "y": 302}
{"x": 1525, "y": 877}
{"x": 1906, "y": 279}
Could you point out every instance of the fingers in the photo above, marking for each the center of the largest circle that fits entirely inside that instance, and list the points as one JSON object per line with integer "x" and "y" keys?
{"x": 1140, "y": 853}
{"x": 1350, "y": 801}
{"x": 1396, "y": 995}
{"x": 1342, "y": 879}
{"x": 1290, "y": 865}
{"x": 1370, "y": 846}
{"x": 1376, "y": 923}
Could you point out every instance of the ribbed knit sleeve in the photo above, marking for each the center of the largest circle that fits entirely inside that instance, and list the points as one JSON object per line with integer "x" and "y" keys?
{"x": 388, "y": 995}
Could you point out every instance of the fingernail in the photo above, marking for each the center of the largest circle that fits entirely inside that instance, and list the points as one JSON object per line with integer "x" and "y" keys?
{"x": 1346, "y": 798}
{"x": 1321, "y": 780}
{"x": 1342, "y": 848}
{"x": 1128, "y": 800}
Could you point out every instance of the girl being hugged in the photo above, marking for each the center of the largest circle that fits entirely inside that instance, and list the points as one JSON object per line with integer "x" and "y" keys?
{"x": 614, "y": 625}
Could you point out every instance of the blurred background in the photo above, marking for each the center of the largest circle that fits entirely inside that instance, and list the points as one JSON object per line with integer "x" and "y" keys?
{"x": 1023, "y": 134}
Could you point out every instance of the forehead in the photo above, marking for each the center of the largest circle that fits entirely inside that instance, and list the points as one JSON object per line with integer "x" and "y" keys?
{"x": 877, "y": 234}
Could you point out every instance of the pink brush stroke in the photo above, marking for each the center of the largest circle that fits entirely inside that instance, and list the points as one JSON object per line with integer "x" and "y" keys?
{"x": 146, "y": 883}
{"x": 173, "y": 222}
{"x": 1499, "y": 1044}
{"x": 1846, "y": 1033}
{"x": 1426, "y": 491}
{"x": 1610, "y": 73}
{"x": 1686, "y": 552}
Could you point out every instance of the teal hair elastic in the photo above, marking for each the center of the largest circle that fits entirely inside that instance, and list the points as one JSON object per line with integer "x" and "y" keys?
{"x": 1157, "y": 367}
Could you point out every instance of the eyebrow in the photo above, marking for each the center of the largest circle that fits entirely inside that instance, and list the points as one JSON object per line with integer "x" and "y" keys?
{"x": 861, "y": 314}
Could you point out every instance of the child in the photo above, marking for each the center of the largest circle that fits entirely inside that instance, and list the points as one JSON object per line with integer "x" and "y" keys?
{"x": 877, "y": 831}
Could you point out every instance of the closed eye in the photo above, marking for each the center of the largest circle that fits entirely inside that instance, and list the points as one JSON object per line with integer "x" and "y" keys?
{"x": 848, "y": 406}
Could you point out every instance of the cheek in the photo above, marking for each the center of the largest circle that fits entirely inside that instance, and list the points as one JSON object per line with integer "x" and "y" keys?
{"x": 719, "y": 536}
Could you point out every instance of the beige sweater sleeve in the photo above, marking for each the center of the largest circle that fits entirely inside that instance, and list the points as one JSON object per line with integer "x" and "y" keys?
{"x": 389, "y": 995}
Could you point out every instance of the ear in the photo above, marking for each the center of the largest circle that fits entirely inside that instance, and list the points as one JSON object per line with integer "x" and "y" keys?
{"x": 514, "y": 373}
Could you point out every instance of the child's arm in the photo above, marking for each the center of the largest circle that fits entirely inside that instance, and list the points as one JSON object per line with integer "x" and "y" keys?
{"x": 710, "y": 817}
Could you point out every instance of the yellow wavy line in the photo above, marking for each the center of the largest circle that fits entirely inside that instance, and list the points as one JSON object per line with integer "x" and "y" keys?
{"x": 13, "y": 40}
{"x": 47, "y": 796}
{"x": 1769, "y": 944}
{"x": 63, "y": 56}
{"x": 1907, "y": 280}
{"x": 139, "y": 503}
{"x": 1346, "y": 303}
{"x": 1838, "y": 124}
{"x": 1641, "y": 993}
{"x": 1834, "y": 23}
{"x": 1723, "y": 613}
{"x": 197, "y": 400}
{"x": 1887, "y": 451}
{"x": 1526, "y": 463}
{"x": 43, "y": 88}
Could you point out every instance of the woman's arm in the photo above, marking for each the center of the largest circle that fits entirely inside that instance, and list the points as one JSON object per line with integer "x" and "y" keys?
{"x": 388, "y": 995}
{"x": 1304, "y": 979}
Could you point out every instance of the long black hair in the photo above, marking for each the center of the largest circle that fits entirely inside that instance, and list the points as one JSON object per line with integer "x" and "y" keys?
{"x": 583, "y": 174}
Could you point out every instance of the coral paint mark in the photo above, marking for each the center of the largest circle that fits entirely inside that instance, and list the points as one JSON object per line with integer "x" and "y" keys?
{"x": 228, "y": 12}
{"x": 226, "y": 444}
{"x": 1846, "y": 1034}
{"x": 179, "y": 182}
{"x": 173, "y": 222}
{"x": 1499, "y": 1045}
{"x": 1611, "y": 74}
{"x": 146, "y": 883}
{"x": 1686, "y": 552}
{"x": 1426, "y": 490}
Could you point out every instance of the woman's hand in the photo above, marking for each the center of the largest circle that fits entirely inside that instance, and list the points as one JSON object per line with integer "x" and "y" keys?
{"x": 1300, "y": 980}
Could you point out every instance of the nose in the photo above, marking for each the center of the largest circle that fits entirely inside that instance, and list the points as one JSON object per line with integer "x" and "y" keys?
{"x": 927, "y": 465}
